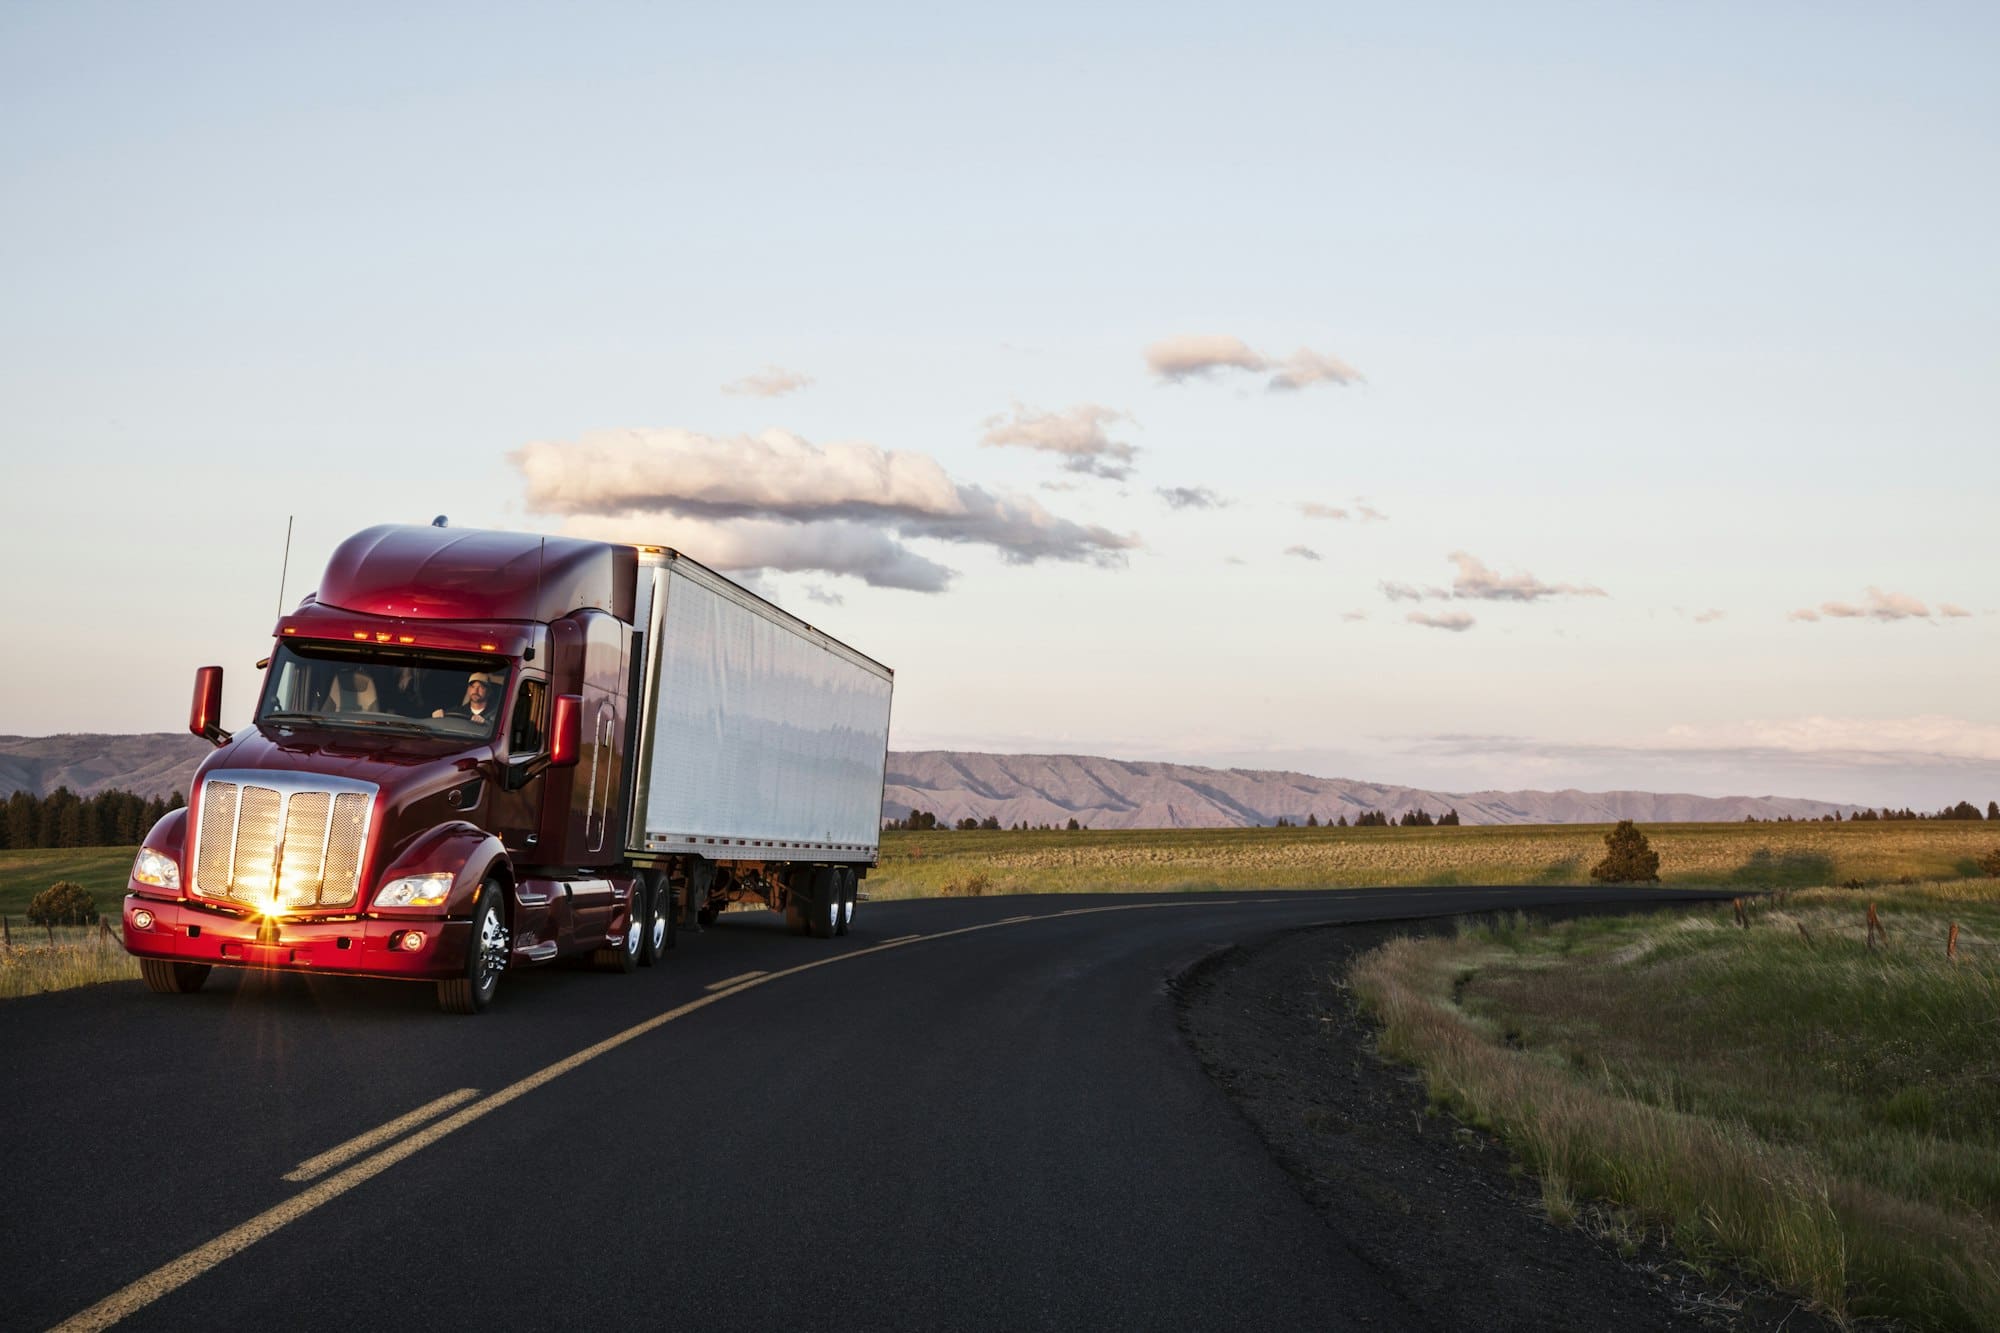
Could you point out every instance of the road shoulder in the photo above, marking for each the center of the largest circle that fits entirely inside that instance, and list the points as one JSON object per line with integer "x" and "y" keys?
{"x": 1426, "y": 1202}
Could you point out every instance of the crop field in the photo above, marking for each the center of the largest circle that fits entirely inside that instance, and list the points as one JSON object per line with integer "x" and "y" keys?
{"x": 1789, "y": 1089}
{"x": 921, "y": 865}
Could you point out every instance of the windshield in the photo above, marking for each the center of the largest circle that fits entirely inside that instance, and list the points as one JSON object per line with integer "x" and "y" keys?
{"x": 364, "y": 686}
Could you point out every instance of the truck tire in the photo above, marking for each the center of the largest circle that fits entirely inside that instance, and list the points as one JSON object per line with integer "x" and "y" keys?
{"x": 171, "y": 978}
{"x": 660, "y": 916}
{"x": 621, "y": 954}
{"x": 850, "y": 891}
{"x": 823, "y": 907}
{"x": 485, "y": 957}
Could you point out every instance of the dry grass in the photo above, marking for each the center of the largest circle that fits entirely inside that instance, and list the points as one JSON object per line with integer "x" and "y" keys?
{"x": 1823, "y": 1111}
{"x": 42, "y": 959}
{"x": 921, "y": 865}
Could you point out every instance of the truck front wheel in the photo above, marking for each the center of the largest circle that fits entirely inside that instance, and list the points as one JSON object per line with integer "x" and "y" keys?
{"x": 485, "y": 957}
{"x": 171, "y": 978}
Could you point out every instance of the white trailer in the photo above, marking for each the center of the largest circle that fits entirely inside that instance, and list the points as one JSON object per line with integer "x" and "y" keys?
{"x": 759, "y": 746}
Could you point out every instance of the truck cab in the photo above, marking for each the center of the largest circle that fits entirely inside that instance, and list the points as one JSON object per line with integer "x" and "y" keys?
{"x": 432, "y": 784}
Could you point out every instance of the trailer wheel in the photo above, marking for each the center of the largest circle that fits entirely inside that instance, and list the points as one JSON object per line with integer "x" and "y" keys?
{"x": 171, "y": 978}
{"x": 659, "y": 922}
{"x": 485, "y": 957}
{"x": 621, "y": 954}
{"x": 823, "y": 908}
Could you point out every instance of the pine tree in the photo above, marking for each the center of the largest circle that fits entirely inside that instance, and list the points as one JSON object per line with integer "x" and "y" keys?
{"x": 1628, "y": 857}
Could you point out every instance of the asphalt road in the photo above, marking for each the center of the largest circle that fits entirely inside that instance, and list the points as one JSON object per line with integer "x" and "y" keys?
{"x": 994, "y": 1124}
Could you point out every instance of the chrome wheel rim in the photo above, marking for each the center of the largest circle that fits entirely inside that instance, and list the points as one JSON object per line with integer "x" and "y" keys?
{"x": 491, "y": 954}
{"x": 659, "y": 929}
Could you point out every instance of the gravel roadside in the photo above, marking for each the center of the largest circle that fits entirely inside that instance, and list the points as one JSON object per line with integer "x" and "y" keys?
{"x": 1426, "y": 1202}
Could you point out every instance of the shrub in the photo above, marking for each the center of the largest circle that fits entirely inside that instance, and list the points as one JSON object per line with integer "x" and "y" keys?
{"x": 1990, "y": 863}
{"x": 1628, "y": 857}
{"x": 63, "y": 903}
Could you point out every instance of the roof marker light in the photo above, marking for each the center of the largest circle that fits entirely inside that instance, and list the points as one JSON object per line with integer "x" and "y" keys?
{"x": 291, "y": 629}
{"x": 361, "y": 634}
{"x": 406, "y": 638}
{"x": 489, "y": 647}
{"x": 381, "y": 636}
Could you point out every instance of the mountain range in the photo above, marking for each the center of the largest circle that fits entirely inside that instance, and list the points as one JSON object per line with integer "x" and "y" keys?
{"x": 1013, "y": 788}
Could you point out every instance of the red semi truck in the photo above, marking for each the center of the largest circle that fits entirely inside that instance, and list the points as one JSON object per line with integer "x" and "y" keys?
{"x": 480, "y": 750}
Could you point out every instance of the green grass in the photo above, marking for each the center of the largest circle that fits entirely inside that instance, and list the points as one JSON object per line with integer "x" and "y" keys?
{"x": 102, "y": 870}
{"x": 1783, "y": 1095}
{"x": 917, "y": 865}
{"x": 42, "y": 960}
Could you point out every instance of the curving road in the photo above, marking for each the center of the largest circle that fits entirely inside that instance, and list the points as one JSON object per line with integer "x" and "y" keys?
{"x": 967, "y": 1114}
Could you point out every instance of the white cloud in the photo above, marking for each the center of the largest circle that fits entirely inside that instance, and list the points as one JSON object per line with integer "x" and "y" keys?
{"x": 1305, "y": 368}
{"x": 1922, "y": 734}
{"x": 824, "y": 596}
{"x": 1369, "y": 513}
{"x": 1880, "y": 606}
{"x": 1191, "y": 497}
{"x": 1303, "y": 552}
{"x": 1804, "y": 613}
{"x": 776, "y": 501}
{"x": 770, "y": 382}
{"x": 1952, "y": 610}
{"x": 1478, "y": 583}
{"x": 1455, "y": 621}
{"x": 1200, "y": 355}
{"x": 1187, "y": 355}
{"x": 1314, "y": 509}
{"x": 745, "y": 545}
{"x": 1081, "y": 435}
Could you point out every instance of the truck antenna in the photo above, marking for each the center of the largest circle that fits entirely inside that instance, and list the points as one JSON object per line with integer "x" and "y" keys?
{"x": 285, "y": 566}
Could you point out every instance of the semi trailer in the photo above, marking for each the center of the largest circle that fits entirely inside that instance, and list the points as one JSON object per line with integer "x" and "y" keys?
{"x": 475, "y": 751}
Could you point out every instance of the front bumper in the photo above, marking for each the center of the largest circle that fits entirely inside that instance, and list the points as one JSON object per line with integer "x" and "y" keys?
{"x": 360, "y": 947}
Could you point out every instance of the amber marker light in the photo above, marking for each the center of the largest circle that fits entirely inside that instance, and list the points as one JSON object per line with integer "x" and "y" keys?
{"x": 489, "y": 647}
{"x": 406, "y": 638}
{"x": 362, "y": 635}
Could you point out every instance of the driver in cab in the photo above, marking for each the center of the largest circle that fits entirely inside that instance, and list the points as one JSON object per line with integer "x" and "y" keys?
{"x": 479, "y": 704}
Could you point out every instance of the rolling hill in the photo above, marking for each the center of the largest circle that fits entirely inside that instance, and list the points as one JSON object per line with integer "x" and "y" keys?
{"x": 1035, "y": 788}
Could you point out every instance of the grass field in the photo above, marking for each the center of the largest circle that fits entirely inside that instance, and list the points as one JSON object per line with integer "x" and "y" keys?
{"x": 102, "y": 870}
{"x": 920, "y": 865}
{"x": 1784, "y": 1095}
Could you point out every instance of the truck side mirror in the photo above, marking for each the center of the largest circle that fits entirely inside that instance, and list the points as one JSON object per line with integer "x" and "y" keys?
{"x": 204, "y": 712}
{"x": 566, "y": 731}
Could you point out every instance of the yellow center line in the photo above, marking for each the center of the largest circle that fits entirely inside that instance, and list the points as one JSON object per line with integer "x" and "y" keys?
{"x": 314, "y": 1167}
{"x": 732, "y": 981}
{"x": 177, "y": 1273}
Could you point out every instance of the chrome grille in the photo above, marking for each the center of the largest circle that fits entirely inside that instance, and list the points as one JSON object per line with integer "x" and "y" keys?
{"x": 280, "y": 842}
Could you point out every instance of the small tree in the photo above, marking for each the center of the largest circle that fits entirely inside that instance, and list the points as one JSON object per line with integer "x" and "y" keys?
{"x": 63, "y": 903}
{"x": 1628, "y": 857}
{"x": 1990, "y": 863}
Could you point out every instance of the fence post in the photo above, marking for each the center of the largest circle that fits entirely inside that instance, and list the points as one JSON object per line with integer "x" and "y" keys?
{"x": 1951, "y": 943}
{"x": 1875, "y": 927}
{"x": 6, "y": 935}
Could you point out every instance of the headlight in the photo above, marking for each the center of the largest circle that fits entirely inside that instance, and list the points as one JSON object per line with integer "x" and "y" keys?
{"x": 157, "y": 869}
{"x": 416, "y": 890}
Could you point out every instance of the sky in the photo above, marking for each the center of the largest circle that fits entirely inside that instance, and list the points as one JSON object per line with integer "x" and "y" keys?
{"x": 1468, "y": 396}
